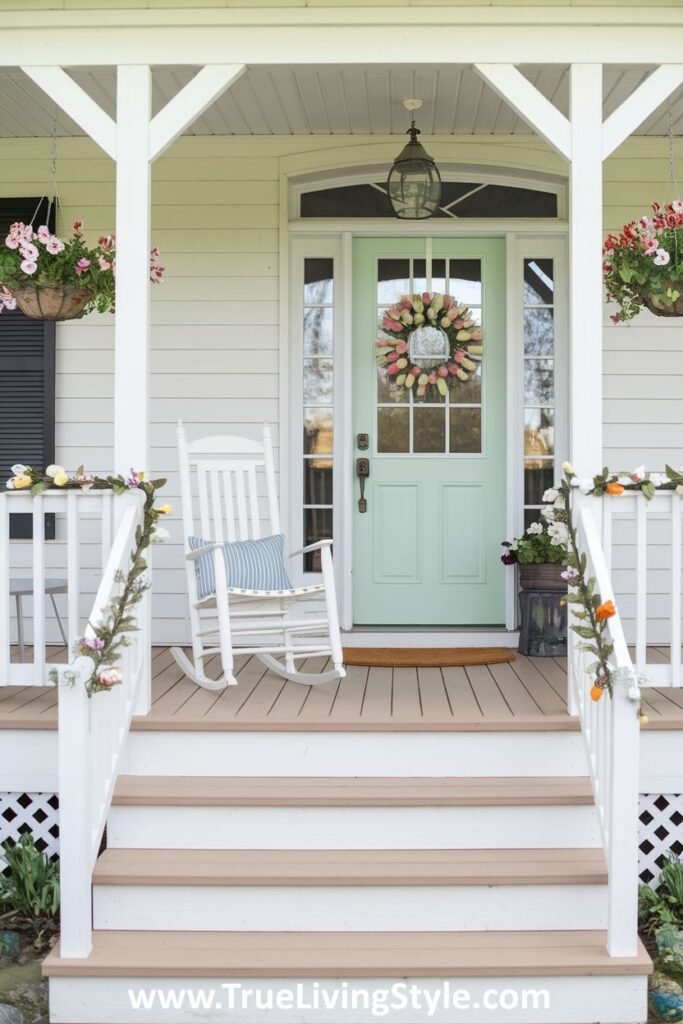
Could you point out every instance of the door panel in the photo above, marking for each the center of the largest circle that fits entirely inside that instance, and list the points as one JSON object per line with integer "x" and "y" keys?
{"x": 426, "y": 551}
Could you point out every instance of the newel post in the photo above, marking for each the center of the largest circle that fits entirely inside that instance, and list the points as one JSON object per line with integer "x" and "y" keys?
{"x": 622, "y": 914}
{"x": 75, "y": 810}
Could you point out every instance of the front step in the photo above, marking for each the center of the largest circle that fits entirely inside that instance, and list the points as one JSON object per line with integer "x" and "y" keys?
{"x": 480, "y": 976}
{"x": 459, "y": 749}
{"x": 183, "y": 812}
{"x": 432, "y": 890}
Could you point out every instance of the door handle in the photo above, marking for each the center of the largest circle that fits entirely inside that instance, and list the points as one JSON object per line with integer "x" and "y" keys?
{"x": 362, "y": 472}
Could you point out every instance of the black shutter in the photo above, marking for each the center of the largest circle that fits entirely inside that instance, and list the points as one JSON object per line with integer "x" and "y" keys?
{"x": 27, "y": 378}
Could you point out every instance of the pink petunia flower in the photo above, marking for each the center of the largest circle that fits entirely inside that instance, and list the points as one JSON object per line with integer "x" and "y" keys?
{"x": 78, "y": 227}
{"x": 54, "y": 245}
{"x": 12, "y": 242}
{"x": 29, "y": 266}
{"x": 82, "y": 265}
{"x": 43, "y": 233}
{"x": 29, "y": 251}
{"x": 662, "y": 258}
{"x": 103, "y": 264}
{"x": 651, "y": 247}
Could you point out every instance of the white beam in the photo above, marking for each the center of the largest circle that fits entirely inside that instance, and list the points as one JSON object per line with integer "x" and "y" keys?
{"x": 74, "y": 101}
{"x": 530, "y": 104}
{"x": 133, "y": 216}
{"x": 190, "y": 103}
{"x": 586, "y": 301}
{"x": 640, "y": 104}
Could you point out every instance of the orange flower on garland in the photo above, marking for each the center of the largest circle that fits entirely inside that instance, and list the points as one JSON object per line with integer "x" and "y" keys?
{"x": 605, "y": 611}
{"x": 597, "y": 692}
{"x": 615, "y": 489}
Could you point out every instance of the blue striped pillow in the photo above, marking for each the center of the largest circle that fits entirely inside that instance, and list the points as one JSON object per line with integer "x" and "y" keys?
{"x": 250, "y": 565}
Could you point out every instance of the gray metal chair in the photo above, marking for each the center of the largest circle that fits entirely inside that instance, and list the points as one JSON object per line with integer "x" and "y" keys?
{"x": 20, "y": 588}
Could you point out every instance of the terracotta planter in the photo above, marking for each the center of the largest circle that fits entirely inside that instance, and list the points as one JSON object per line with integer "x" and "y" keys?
{"x": 51, "y": 302}
{"x": 542, "y": 576}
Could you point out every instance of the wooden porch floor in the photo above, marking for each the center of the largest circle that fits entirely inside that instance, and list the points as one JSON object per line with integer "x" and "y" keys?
{"x": 527, "y": 694}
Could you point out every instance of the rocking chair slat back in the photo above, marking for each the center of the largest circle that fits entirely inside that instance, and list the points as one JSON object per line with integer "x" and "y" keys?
{"x": 227, "y": 471}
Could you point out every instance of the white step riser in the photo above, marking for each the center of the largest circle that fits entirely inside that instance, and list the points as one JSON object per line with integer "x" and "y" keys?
{"x": 563, "y": 1000}
{"x": 350, "y": 908}
{"x": 470, "y": 754}
{"x": 352, "y": 828}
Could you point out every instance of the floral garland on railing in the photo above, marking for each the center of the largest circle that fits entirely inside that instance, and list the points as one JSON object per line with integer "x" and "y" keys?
{"x": 590, "y": 612}
{"x": 118, "y": 621}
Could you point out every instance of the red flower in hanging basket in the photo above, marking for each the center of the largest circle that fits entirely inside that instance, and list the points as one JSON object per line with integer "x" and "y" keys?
{"x": 643, "y": 265}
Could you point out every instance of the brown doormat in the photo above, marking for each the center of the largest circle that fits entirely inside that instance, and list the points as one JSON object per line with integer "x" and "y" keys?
{"x": 426, "y": 657}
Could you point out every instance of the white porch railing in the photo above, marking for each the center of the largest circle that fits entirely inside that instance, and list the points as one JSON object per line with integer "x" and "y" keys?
{"x": 77, "y": 556}
{"x": 610, "y": 729}
{"x": 92, "y": 737}
{"x": 642, "y": 544}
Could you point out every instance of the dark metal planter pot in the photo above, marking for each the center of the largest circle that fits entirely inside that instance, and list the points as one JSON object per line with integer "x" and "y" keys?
{"x": 543, "y": 619}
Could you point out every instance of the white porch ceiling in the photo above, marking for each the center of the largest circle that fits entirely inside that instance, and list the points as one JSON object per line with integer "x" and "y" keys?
{"x": 331, "y": 100}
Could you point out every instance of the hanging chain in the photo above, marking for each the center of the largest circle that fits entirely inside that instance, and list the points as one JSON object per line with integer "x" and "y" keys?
{"x": 672, "y": 180}
{"x": 52, "y": 194}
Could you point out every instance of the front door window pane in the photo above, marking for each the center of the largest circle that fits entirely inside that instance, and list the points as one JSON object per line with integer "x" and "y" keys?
{"x": 426, "y": 421}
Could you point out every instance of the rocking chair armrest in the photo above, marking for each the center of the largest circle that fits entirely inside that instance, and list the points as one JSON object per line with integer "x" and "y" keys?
{"x": 311, "y": 547}
{"x": 192, "y": 556}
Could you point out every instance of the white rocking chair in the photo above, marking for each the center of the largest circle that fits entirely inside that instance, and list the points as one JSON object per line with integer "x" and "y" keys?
{"x": 237, "y": 621}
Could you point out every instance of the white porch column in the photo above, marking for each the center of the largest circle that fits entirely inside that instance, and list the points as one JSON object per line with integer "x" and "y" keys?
{"x": 133, "y": 241}
{"x": 586, "y": 289}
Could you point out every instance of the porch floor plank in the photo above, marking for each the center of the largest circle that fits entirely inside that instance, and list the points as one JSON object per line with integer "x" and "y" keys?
{"x": 527, "y": 694}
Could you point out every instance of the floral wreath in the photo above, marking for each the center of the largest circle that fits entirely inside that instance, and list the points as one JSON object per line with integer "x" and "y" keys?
{"x": 429, "y": 341}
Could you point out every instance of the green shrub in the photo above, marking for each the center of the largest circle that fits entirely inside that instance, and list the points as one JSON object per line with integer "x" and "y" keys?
{"x": 664, "y": 905}
{"x": 29, "y": 886}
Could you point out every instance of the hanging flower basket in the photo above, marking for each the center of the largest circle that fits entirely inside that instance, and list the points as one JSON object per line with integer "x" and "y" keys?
{"x": 643, "y": 265}
{"x": 668, "y": 308}
{"x": 51, "y": 278}
{"x": 51, "y": 302}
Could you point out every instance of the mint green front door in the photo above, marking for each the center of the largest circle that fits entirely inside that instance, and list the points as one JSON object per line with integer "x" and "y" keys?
{"x": 427, "y": 550}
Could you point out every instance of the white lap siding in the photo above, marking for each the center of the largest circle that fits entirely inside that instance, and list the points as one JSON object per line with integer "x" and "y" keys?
{"x": 215, "y": 320}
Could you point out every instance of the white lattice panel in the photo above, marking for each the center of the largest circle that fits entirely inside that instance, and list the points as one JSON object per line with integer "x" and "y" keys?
{"x": 660, "y": 831}
{"x": 37, "y": 813}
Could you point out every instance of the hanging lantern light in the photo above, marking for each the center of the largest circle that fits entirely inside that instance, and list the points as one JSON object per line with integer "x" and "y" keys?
{"x": 414, "y": 182}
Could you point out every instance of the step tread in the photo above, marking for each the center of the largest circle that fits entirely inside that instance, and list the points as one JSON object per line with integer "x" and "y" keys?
{"x": 216, "y": 791}
{"x": 350, "y": 867}
{"x": 346, "y": 954}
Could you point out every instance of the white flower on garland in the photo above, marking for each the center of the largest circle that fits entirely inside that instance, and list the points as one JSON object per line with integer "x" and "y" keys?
{"x": 551, "y": 494}
{"x": 586, "y": 485}
{"x": 558, "y": 534}
{"x": 159, "y": 535}
{"x": 535, "y": 528}
{"x": 658, "y": 479}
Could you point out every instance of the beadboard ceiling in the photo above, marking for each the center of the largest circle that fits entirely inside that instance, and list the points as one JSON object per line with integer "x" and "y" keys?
{"x": 331, "y": 100}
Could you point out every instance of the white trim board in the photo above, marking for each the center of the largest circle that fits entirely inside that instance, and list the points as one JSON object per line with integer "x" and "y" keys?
{"x": 334, "y": 239}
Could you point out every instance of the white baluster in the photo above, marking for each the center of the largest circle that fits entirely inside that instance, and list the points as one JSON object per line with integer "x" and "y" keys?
{"x": 641, "y": 583}
{"x": 5, "y": 636}
{"x": 39, "y": 588}
{"x": 72, "y": 568}
{"x": 675, "y": 589}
